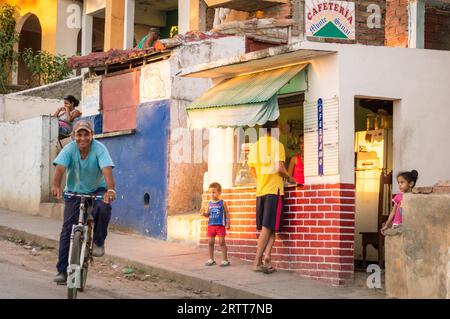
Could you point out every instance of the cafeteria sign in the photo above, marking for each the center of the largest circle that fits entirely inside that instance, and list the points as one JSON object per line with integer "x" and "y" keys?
{"x": 330, "y": 19}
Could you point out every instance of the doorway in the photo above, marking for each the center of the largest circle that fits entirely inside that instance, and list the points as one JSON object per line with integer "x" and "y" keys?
{"x": 30, "y": 37}
{"x": 373, "y": 160}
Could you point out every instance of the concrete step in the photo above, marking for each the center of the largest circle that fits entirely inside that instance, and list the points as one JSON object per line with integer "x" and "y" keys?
{"x": 52, "y": 210}
{"x": 184, "y": 228}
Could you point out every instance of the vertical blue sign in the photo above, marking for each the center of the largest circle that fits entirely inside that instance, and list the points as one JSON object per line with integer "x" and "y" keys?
{"x": 320, "y": 135}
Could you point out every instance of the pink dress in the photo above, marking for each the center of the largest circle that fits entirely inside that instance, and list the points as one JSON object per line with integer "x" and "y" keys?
{"x": 299, "y": 171}
{"x": 398, "y": 217}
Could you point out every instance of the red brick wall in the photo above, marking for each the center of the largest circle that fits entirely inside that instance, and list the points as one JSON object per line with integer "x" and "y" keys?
{"x": 317, "y": 238}
{"x": 397, "y": 19}
{"x": 437, "y": 29}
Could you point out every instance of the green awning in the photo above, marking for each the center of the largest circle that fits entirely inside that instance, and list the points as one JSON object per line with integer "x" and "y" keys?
{"x": 244, "y": 100}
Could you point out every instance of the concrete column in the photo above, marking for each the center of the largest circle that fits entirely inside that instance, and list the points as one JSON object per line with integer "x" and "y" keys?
{"x": 114, "y": 24}
{"x": 221, "y": 156}
{"x": 87, "y": 26}
{"x": 183, "y": 16}
{"x": 416, "y": 10}
{"x": 129, "y": 24}
{"x": 197, "y": 15}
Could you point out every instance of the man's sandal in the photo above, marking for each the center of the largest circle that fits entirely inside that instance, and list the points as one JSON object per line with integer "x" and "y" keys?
{"x": 210, "y": 262}
{"x": 268, "y": 270}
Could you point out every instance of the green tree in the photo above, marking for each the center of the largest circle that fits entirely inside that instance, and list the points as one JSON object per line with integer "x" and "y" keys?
{"x": 45, "y": 67}
{"x": 8, "y": 38}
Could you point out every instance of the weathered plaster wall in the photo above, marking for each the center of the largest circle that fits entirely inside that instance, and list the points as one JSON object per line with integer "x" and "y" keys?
{"x": 197, "y": 53}
{"x": 141, "y": 168}
{"x": 186, "y": 175}
{"x": 417, "y": 261}
{"x": 26, "y": 149}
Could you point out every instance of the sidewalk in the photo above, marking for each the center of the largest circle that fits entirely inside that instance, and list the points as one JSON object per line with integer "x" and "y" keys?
{"x": 185, "y": 264}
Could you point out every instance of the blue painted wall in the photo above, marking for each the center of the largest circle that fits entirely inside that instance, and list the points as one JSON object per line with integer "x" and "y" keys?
{"x": 141, "y": 168}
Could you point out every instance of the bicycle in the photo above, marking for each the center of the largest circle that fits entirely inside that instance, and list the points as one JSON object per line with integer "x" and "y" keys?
{"x": 81, "y": 244}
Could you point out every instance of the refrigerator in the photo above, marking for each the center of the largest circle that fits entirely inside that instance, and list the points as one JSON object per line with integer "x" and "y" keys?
{"x": 373, "y": 155}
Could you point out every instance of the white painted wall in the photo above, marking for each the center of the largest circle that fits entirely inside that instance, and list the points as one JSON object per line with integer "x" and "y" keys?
{"x": 323, "y": 82}
{"x": 66, "y": 35}
{"x": 420, "y": 79}
{"x": 18, "y": 108}
{"x": 25, "y": 167}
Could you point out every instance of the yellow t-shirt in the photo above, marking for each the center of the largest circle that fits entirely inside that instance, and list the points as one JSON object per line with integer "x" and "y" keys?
{"x": 264, "y": 157}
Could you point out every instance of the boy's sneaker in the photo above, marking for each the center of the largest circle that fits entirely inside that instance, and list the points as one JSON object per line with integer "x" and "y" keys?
{"x": 60, "y": 278}
{"x": 210, "y": 263}
{"x": 225, "y": 263}
{"x": 98, "y": 251}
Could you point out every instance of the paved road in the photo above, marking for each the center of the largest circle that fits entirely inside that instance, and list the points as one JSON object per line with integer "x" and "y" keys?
{"x": 26, "y": 273}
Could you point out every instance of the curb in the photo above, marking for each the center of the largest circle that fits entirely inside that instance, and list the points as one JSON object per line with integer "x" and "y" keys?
{"x": 215, "y": 287}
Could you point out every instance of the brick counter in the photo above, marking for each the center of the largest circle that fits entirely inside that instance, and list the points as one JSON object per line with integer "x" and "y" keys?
{"x": 317, "y": 237}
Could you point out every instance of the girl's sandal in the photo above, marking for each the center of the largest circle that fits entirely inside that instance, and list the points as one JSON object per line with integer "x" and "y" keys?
{"x": 225, "y": 263}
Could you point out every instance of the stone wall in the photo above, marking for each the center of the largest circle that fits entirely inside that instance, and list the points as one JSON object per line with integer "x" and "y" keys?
{"x": 57, "y": 90}
{"x": 437, "y": 29}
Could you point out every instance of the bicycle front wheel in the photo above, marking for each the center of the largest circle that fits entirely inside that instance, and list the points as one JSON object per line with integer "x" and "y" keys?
{"x": 74, "y": 259}
{"x": 84, "y": 270}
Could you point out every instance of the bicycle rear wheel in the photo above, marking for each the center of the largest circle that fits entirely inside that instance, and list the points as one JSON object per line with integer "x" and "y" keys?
{"x": 74, "y": 259}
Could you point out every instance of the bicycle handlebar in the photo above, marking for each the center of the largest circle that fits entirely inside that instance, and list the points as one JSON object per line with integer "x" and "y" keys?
{"x": 89, "y": 196}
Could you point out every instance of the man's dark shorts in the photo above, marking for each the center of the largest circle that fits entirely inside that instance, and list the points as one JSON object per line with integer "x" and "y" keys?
{"x": 269, "y": 212}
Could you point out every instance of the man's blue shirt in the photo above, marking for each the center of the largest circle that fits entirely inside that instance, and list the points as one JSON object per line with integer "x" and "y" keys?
{"x": 84, "y": 176}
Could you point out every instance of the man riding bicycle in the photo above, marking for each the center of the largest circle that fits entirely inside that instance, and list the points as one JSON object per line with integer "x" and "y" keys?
{"x": 89, "y": 171}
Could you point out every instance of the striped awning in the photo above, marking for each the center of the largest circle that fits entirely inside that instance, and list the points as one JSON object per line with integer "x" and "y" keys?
{"x": 244, "y": 100}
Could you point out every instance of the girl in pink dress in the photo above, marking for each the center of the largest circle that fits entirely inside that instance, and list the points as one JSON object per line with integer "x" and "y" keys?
{"x": 406, "y": 181}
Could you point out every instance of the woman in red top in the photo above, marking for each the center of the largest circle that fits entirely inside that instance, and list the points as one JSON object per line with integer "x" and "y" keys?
{"x": 296, "y": 167}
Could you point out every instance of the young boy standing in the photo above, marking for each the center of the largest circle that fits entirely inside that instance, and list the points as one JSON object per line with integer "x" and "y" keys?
{"x": 219, "y": 219}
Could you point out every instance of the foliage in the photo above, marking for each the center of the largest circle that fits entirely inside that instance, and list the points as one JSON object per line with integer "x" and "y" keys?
{"x": 45, "y": 67}
{"x": 173, "y": 31}
{"x": 8, "y": 38}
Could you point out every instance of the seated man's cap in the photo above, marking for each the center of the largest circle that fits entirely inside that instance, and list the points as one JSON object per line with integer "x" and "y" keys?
{"x": 83, "y": 125}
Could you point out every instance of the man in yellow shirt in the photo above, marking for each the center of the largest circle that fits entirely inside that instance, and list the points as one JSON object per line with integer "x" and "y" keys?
{"x": 266, "y": 162}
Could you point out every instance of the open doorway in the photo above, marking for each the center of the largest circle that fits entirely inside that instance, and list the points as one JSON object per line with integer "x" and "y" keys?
{"x": 30, "y": 37}
{"x": 98, "y": 32}
{"x": 373, "y": 177}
